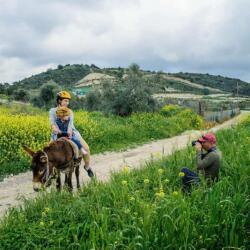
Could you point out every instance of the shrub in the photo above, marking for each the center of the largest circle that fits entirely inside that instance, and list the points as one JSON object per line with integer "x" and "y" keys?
{"x": 47, "y": 95}
{"x": 170, "y": 110}
{"x": 124, "y": 97}
{"x": 21, "y": 95}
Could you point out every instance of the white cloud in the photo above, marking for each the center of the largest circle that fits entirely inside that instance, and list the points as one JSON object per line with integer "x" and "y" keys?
{"x": 14, "y": 68}
{"x": 188, "y": 35}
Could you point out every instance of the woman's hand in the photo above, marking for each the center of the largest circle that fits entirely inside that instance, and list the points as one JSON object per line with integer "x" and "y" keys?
{"x": 70, "y": 133}
{"x": 55, "y": 129}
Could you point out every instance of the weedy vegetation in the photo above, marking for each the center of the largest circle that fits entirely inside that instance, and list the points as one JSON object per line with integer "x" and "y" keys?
{"x": 144, "y": 208}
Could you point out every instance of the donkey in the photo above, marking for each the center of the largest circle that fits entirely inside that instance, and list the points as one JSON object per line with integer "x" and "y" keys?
{"x": 59, "y": 156}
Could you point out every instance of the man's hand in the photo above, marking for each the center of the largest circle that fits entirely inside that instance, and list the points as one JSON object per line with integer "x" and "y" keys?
{"x": 198, "y": 146}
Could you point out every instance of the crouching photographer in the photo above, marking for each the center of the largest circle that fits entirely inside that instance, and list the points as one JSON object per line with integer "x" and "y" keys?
{"x": 207, "y": 159}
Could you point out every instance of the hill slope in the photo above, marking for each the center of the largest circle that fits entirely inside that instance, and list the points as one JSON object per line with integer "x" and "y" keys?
{"x": 195, "y": 85}
{"x": 223, "y": 83}
{"x": 67, "y": 76}
{"x": 64, "y": 75}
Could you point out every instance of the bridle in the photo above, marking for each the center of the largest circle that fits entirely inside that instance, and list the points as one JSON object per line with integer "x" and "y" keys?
{"x": 47, "y": 176}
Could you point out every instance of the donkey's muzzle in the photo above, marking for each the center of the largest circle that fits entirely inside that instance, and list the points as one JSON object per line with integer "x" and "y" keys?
{"x": 37, "y": 186}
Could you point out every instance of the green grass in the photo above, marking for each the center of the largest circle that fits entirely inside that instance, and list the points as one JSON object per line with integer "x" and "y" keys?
{"x": 20, "y": 109}
{"x": 144, "y": 209}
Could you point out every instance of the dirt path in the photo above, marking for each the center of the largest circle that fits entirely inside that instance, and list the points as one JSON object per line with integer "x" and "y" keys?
{"x": 12, "y": 189}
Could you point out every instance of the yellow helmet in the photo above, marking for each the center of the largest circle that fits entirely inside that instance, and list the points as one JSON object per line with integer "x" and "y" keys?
{"x": 63, "y": 111}
{"x": 64, "y": 95}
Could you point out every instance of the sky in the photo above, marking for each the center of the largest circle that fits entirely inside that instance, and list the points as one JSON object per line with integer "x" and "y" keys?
{"x": 208, "y": 36}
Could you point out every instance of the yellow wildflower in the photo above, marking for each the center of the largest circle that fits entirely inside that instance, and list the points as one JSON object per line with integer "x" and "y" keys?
{"x": 158, "y": 155}
{"x": 175, "y": 193}
{"x": 124, "y": 183}
{"x": 160, "y": 194}
{"x": 146, "y": 181}
{"x": 46, "y": 209}
{"x": 125, "y": 169}
{"x": 181, "y": 174}
{"x": 160, "y": 171}
{"x": 42, "y": 223}
{"x": 166, "y": 180}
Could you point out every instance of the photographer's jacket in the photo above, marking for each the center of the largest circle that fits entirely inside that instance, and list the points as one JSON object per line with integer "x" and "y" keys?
{"x": 209, "y": 163}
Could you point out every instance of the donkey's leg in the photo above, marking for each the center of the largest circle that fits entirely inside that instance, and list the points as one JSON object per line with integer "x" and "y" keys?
{"x": 77, "y": 164}
{"x": 70, "y": 186}
{"x": 58, "y": 181}
{"x": 66, "y": 179}
{"x": 77, "y": 175}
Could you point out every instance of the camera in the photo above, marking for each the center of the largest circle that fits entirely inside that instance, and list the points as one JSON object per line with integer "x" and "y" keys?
{"x": 194, "y": 142}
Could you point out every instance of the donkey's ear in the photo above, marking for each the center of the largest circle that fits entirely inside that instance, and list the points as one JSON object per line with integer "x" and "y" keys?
{"x": 28, "y": 150}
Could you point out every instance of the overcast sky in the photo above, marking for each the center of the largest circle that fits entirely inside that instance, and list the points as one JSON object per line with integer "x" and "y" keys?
{"x": 208, "y": 36}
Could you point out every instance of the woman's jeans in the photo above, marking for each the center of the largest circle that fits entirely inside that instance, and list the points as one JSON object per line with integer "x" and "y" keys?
{"x": 73, "y": 138}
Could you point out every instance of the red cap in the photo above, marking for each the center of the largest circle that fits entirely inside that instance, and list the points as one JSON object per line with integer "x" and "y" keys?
{"x": 208, "y": 137}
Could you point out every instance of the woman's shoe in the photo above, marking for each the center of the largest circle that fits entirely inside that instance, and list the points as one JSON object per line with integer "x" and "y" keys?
{"x": 90, "y": 172}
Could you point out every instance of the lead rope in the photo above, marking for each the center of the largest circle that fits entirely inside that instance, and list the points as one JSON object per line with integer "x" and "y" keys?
{"x": 47, "y": 175}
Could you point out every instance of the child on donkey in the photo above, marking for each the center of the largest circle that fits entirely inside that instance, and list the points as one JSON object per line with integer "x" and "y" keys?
{"x": 64, "y": 124}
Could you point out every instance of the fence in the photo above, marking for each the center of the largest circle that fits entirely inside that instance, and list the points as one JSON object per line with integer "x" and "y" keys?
{"x": 211, "y": 111}
{"x": 222, "y": 115}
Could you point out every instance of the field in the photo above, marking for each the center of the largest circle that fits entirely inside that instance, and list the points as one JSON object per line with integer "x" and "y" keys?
{"x": 144, "y": 209}
{"x": 103, "y": 133}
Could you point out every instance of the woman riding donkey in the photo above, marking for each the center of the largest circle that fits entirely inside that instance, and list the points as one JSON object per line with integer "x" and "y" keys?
{"x": 62, "y": 124}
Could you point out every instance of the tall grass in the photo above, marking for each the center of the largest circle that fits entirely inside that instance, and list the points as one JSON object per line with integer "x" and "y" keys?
{"x": 144, "y": 208}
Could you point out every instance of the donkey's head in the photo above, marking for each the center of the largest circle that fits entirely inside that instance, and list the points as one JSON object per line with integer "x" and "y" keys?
{"x": 40, "y": 168}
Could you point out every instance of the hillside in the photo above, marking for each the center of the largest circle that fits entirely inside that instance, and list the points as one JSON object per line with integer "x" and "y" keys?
{"x": 63, "y": 75}
{"x": 223, "y": 83}
{"x": 192, "y": 84}
{"x": 68, "y": 76}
